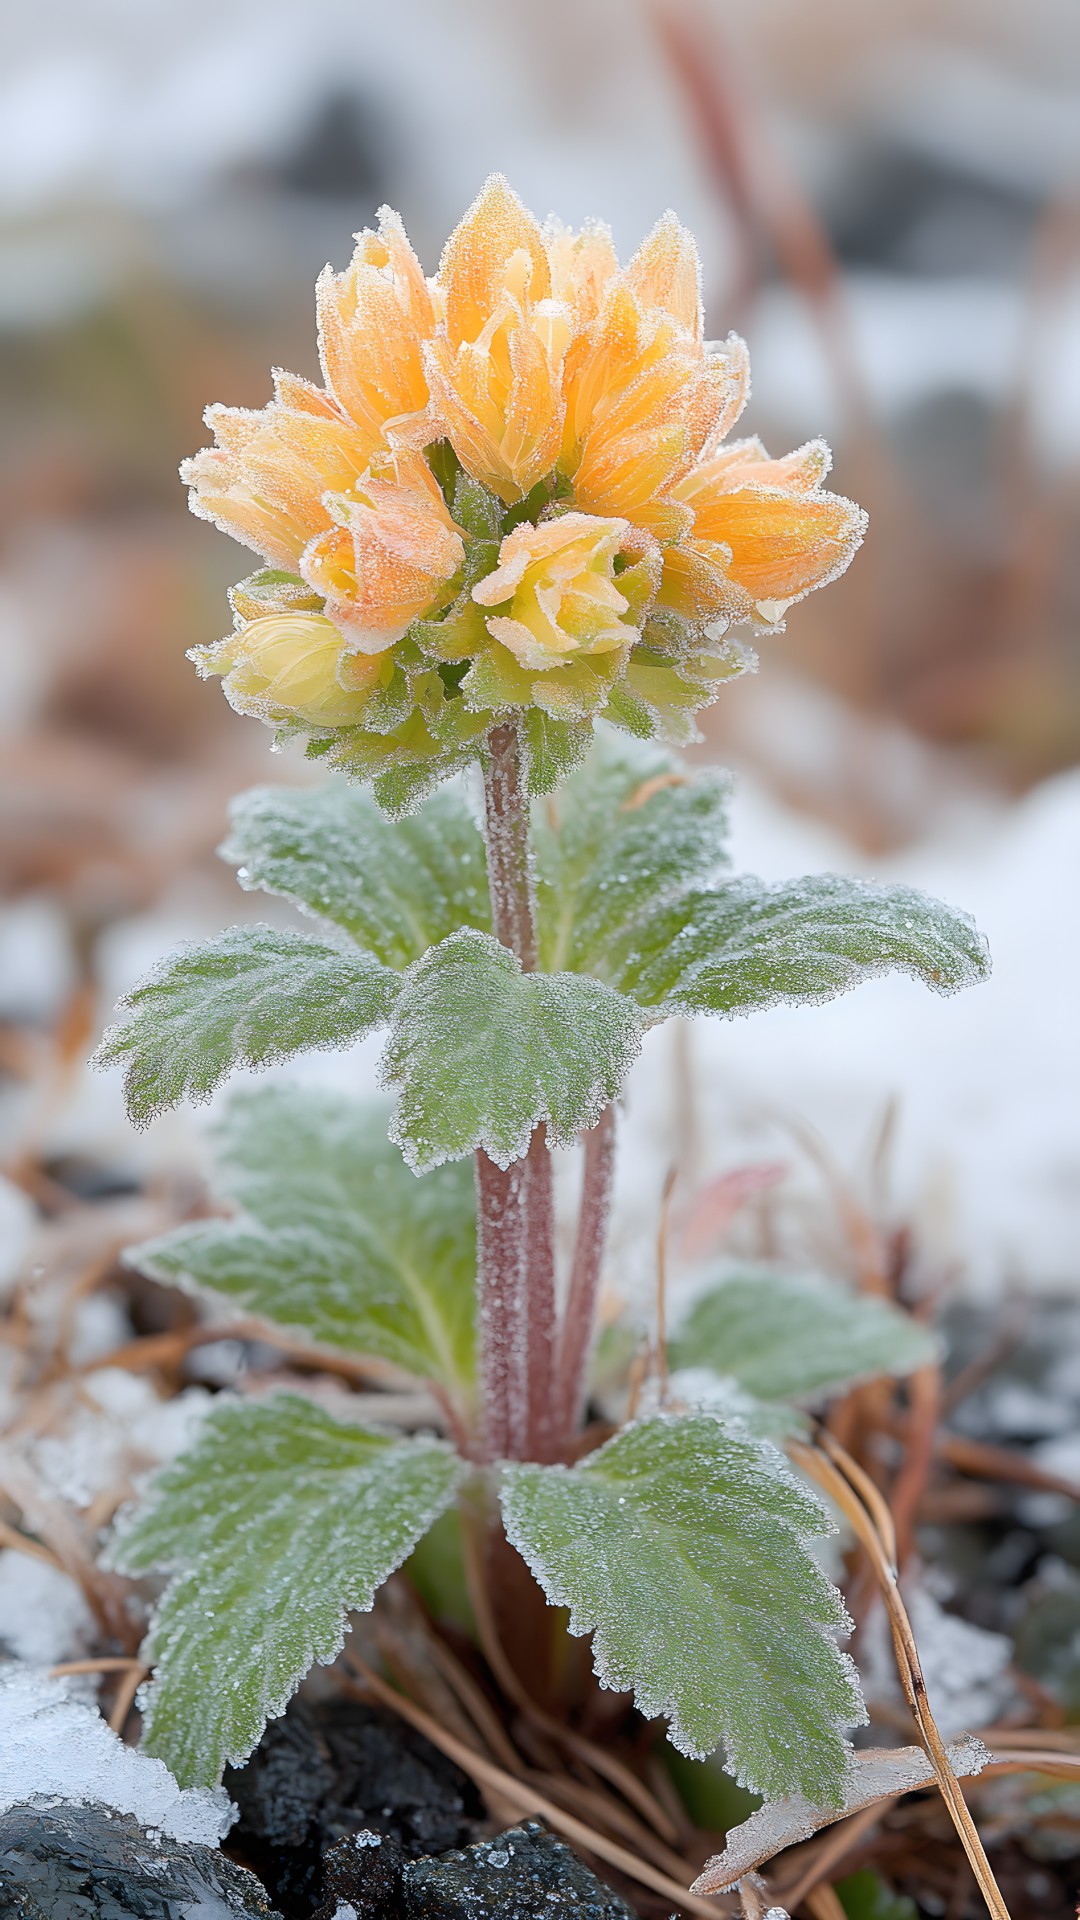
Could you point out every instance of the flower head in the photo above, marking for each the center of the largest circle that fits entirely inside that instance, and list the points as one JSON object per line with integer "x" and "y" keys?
{"x": 514, "y": 491}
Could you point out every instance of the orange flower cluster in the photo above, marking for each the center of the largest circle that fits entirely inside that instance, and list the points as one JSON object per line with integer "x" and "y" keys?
{"x": 513, "y": 492}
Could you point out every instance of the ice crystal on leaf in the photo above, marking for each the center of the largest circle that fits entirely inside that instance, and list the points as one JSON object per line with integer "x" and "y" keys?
{"x": 396, "y": 889}
{"x": 277, "y": 1523}
{"x": 514, "y": 493}
{"x": 249, "y": 997}
{"x": 563, "y": 1044}
{"x": 681, "y": 1547}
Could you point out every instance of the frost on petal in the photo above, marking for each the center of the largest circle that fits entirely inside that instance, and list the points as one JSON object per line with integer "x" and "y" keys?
{"x": 666, "y": 272}
{"x": 391, "y": 561}
{"x": 373, "y": 319}
{"x": 756, "y": 548}
{"x": 497, "y": 246}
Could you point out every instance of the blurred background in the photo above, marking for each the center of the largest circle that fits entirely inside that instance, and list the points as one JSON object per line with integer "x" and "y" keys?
{"x": 887, "y": 200}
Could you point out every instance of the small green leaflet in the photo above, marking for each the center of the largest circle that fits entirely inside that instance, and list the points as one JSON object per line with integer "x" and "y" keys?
{"x": 634, "y": 833}
{"x": 337, "y": 1237}
{"x": 681, "y": 1547}
{"x": 275, "y": 1525}
{"x": 482, "y": 1052}
{"x": 782, "y": 1337}
{"x": 396, "y": 888}
{"x": 744, "y": 945}
{"x": 248, "y": 998}
{"x": 551, "y": 748}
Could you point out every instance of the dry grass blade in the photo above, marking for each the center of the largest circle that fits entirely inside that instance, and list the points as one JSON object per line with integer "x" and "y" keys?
{"x": 106, "y": 1663}
{"x": 21, "y": 1543}
{"x": 841, "y": 1486}
{"x": 525, "y": 1797}
{"x": 125, "y": 1697}
{"x": 823, "y": 1902}
{"x": 821, "y": 1857}
{"x": 878, "y": 1776}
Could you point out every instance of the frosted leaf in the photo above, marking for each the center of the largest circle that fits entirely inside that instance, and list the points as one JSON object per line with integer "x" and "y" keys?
{"x": 551, "y": 748}
{"x": 338, "y": 1239}
{"x": 250, "y": 997}
{"x": 53, "y": 1748}
{"x": 875, "y": 1773}
{"x": 482, "y": 1052}
{"x": 681, "y": 1547}
{"x": 785, "y": 1337}
{"x": 634, "y": 832}
{"x": 745, "y": 945}
{"x": 396, "y": 888}
{"x": 277, "y": 1523}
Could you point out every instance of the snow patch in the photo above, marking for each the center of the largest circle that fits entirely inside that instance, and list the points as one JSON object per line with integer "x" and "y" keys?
{"x": 53, "y": 1749}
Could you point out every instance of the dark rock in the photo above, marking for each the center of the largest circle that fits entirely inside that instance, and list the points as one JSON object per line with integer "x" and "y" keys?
{"x": 520, "y": 1875}
{"x": 364, "y": 1871}
{"x": 334, "y": 1768}
{"x": 85, "y": 1863}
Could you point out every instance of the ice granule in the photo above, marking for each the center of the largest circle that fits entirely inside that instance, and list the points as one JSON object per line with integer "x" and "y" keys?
{"x": 44, "y": 1617}
{"x": 54, "y": 1749}
{"x": 345, "y": 1911}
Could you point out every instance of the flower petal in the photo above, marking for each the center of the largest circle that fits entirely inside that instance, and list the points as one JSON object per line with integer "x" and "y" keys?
{"x": 497, "y": 242}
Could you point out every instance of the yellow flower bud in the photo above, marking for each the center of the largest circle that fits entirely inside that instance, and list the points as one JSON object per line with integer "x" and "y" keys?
{"x": 293, "y": 666}
{"x": 555, "y": 591}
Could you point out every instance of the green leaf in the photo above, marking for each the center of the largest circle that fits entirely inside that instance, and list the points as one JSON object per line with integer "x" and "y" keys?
{"x": 634, "y": 833}
{"x": 277, "y": 1523}
{"x": 681, "y": 1547}
{"x": 338, "y": 1238}
{"x": 248, "y": 998}
{"x": 745, "y": 945}
{"x": 785, "y": 1337}
{"x": 396, "y": 888}
{"x": 482, "y": 1052}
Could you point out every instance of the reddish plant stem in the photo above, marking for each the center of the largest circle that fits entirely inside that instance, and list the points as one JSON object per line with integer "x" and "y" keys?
{"x": 516, "y": 1209}
{"x": 579, "y": 1316}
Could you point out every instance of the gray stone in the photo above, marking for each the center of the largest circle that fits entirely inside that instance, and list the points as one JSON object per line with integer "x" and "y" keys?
{"x": 76, "y": 1862}
{"x": 523, "y": 1874}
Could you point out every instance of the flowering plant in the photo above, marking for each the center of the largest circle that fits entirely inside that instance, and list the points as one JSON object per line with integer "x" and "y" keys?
{"x": 511, "y": 514}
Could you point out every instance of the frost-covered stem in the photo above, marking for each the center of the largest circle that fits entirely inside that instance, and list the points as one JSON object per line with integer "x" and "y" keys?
{"x": 579, "y": 1315}
{"x": 502, "y": 1231}
{"x": 506, "y": 830}
{"x": 517, "y": 1253}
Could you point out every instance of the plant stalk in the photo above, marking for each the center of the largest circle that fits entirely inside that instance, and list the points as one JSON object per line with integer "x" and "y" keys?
{"x": 516, "y": 1205}
{"x": 579, "y": 1314}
